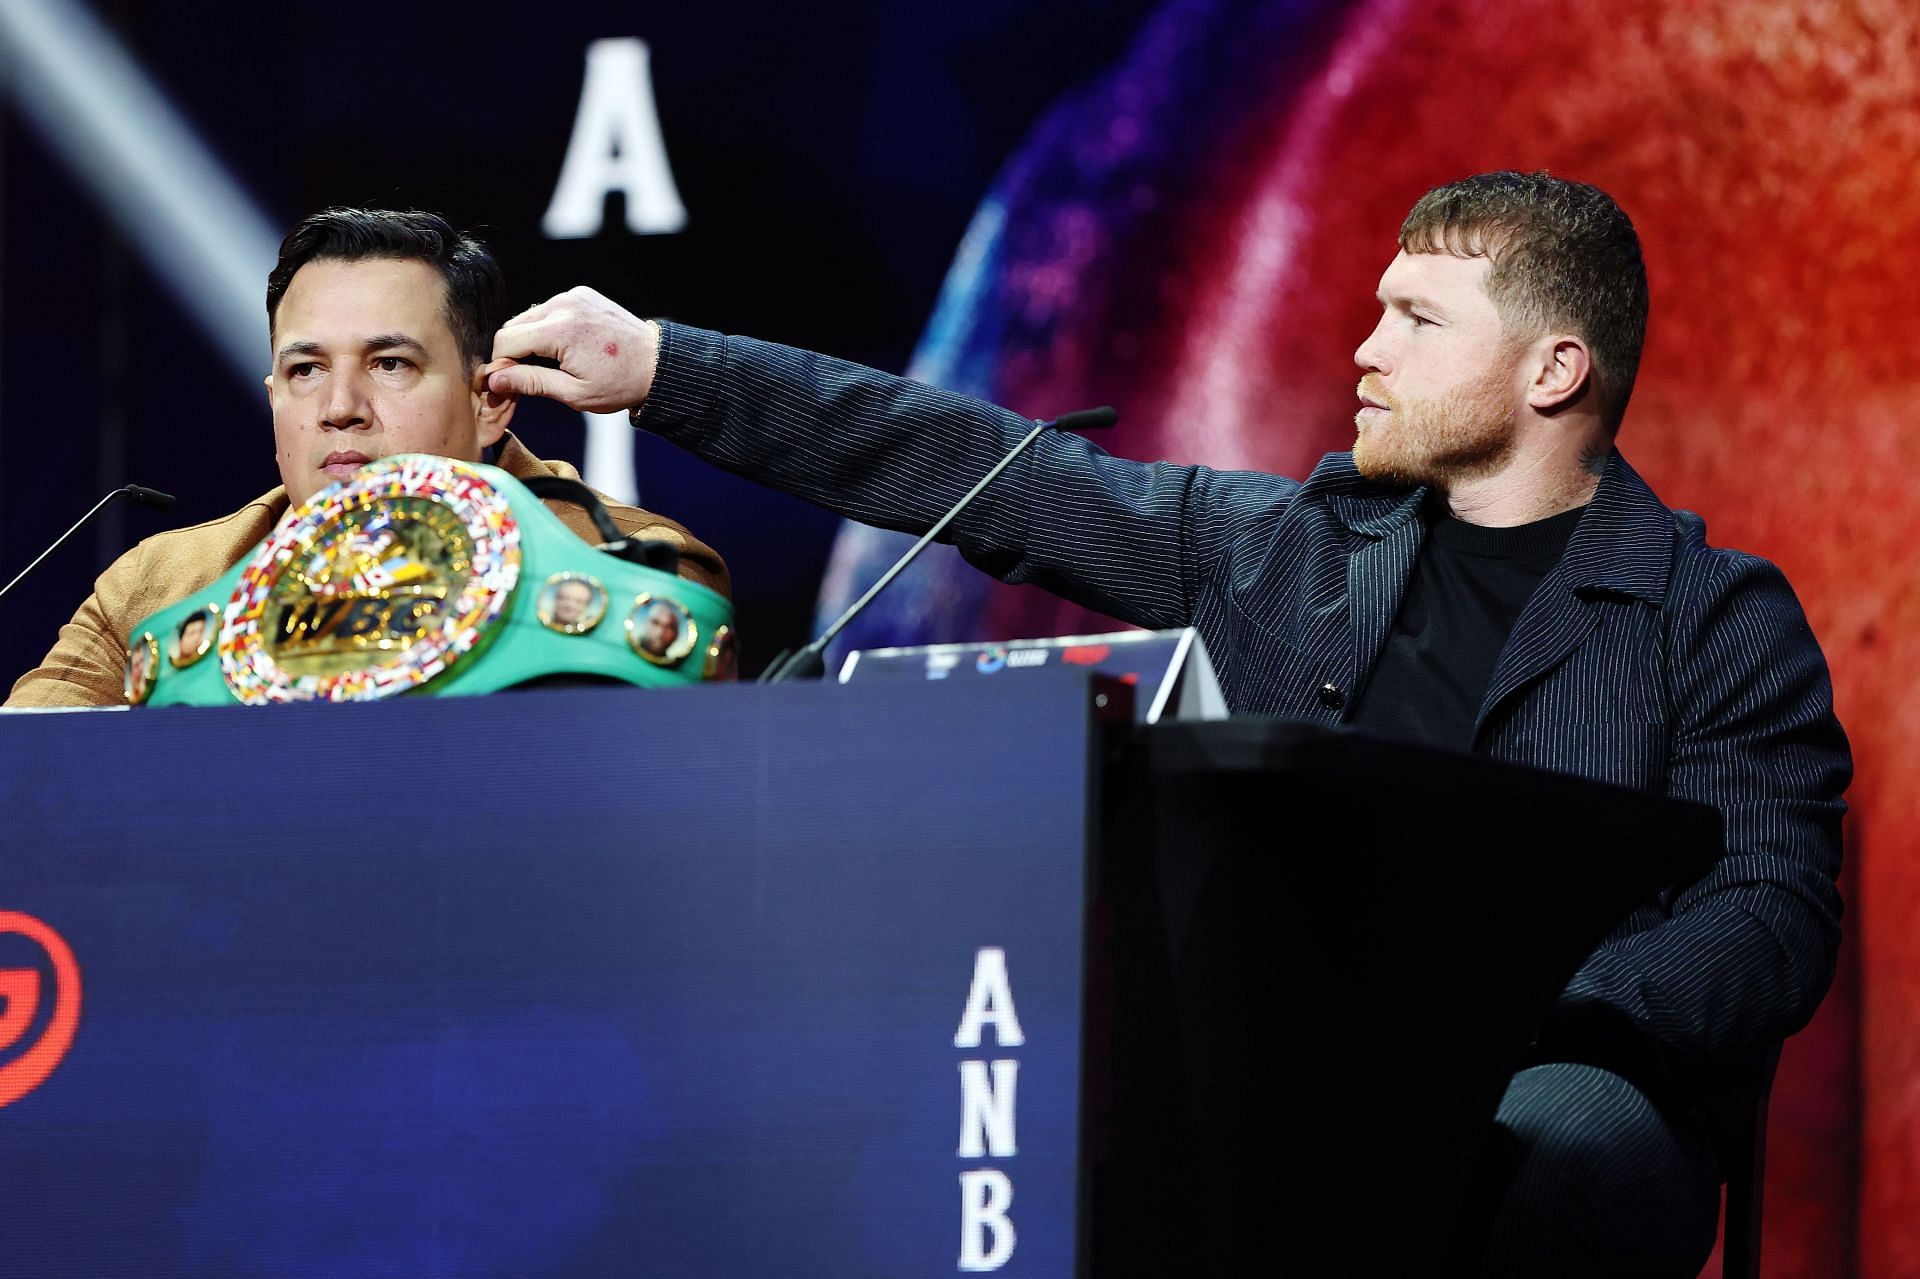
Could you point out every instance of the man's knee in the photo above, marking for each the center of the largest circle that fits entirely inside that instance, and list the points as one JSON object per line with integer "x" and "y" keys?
{"x": 1590, "y": 1177}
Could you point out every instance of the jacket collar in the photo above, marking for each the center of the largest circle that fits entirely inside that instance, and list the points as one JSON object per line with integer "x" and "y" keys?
{"x": 1363, "y": 506}
{"x": 1622, "y": 545}
{"x": 517, "y": 460}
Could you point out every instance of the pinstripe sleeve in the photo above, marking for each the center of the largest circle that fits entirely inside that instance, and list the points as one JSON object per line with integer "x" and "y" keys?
{"x": 1748, "y": 951}
{"x": 1122, "y": 537}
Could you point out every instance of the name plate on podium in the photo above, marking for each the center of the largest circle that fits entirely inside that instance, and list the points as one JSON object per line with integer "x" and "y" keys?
{"x": 1172, "y": 674}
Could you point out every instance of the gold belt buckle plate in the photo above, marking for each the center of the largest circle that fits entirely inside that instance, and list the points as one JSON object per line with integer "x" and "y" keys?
{"x": 374, "y": 586}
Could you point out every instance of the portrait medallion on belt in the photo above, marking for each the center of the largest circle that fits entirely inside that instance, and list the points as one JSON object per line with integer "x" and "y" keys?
{"x": 571, "y": 603}
{"x": 723, "y": 656}
{"x": 143, "y": 667}
{"x": 374, "y": 587}
{"x": 661, "y": 630}
{"x": 193, "y": 637}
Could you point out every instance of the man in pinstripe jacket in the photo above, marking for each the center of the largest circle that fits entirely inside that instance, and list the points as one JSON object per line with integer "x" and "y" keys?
{"x": 1483, "y": 570}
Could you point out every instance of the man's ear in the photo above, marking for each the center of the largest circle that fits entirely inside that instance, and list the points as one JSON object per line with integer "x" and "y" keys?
{"x": 491, "y": 410}
{"x": 1563, "y": 371}
{"x": 268, "y": 381}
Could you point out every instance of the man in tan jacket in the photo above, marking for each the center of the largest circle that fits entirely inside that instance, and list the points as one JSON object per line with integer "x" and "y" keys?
{"x": 380, "y": 322}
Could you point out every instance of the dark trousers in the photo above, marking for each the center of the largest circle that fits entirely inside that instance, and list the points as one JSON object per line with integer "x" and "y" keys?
{"x": 1585, "y": 1176}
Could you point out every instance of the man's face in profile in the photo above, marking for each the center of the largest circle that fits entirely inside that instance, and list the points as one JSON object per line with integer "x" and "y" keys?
{"x": 662, "y": 629}
{"x": 570, "y": 602}
{"x": 1442, "y": 391}
{"x": 365, "y": 366}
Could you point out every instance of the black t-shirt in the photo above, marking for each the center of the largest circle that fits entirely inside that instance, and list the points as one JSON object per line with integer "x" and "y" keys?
{"x": 1468, "y": 587}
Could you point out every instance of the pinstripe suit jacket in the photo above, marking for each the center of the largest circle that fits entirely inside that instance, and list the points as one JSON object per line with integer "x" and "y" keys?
{"x": 1646, "y": 657}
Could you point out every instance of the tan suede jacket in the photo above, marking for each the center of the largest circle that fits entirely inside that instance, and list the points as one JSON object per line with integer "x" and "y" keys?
{"x": 86, "y": 666}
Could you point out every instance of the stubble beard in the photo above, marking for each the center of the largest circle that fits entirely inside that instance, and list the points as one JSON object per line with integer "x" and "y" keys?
{"x": 1463, "y": 435}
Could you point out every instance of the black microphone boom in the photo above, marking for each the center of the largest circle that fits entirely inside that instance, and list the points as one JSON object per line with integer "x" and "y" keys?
{"x": 809, "y": 663}
{"x": 150, "y": 497}
{"x": 138, "y": 492}
{"x": 1085, "y": 420}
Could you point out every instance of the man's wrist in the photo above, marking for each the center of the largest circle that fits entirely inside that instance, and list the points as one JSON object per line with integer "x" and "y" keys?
{"x": 653, "y": 368}
{"x": 687, "y": 380}
{"x": 653, "y": 372}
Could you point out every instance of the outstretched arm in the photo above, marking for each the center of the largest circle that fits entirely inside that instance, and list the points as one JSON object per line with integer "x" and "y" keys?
{"x": 1116, "y": 535}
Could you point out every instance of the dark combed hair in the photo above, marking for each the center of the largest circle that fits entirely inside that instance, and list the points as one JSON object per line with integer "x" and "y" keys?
{"x": 476, "y": 292}
{"x": 1565, "y": 258}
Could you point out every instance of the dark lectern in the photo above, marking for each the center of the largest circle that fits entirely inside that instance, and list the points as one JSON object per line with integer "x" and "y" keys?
{"x": 1353, "y": 940}
{"x": 886, "y": 980}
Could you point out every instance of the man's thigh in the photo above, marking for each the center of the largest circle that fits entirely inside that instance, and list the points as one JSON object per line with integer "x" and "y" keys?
{"x": 1584, "y": 1176}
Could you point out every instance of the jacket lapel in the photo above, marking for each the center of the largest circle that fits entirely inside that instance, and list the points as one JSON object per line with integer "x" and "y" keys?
{"x": 1622, "y": 547}
{"x": 1378, "y": 570}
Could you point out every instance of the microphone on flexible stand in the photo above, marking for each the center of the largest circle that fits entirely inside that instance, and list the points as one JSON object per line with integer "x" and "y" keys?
{"x": 138, "y": 492}
{"x": 810, "y": 662}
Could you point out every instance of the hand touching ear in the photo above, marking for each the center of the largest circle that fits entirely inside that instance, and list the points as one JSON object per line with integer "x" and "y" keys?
{"x": 605, "y": 354}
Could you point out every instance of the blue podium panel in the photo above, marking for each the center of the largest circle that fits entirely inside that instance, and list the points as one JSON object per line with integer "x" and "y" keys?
{"x": 570, "y": 983}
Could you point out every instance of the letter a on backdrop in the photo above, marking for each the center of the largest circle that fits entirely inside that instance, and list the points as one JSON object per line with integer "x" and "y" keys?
{"x": 616, "y": 146}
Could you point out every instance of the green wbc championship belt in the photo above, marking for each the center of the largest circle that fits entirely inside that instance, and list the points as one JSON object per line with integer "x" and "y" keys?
{"x": 425, "y": 574}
